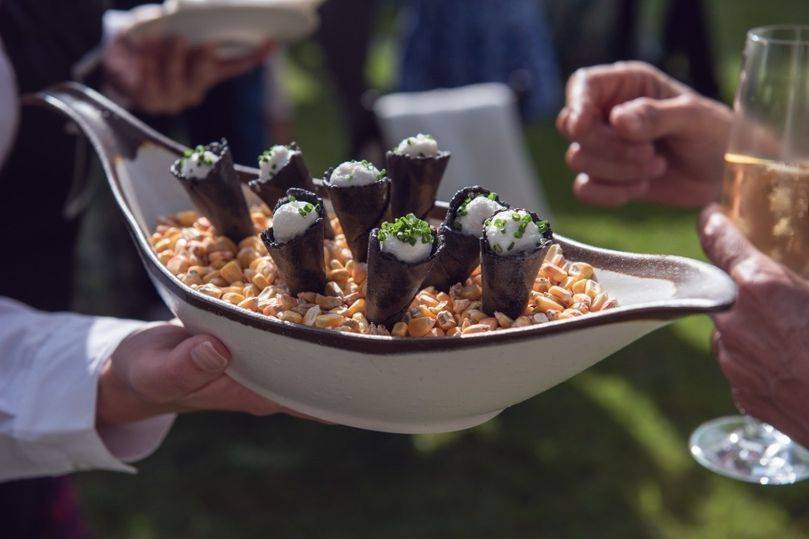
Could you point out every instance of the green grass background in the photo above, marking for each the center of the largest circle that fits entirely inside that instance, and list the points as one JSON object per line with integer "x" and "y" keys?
{"x": 602, "y": 455}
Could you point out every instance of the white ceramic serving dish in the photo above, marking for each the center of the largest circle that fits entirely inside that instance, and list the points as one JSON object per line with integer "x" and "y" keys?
{"x": 235, "y": 27}
{"x": 382, "y": 383}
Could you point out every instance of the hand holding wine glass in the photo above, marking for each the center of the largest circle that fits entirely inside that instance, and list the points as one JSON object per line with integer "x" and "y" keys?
{"x": 762, "y": 344}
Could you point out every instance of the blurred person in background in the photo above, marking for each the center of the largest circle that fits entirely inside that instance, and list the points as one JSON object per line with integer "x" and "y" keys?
{"x": 637, "y": 134}
{"x": 80, "y": 392}
{"x": 345, "y": 54}
{"x": 461, "y": 42}
{"x": 240, "y": 107}
{"x": 673, "y": 35}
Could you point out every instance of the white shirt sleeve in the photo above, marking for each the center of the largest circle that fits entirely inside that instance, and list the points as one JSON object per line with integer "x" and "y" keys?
{"x": 49, "y": 369}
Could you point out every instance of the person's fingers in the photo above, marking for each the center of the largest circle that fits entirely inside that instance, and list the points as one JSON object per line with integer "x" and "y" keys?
{"x": 201, "y": 73}
{"x": 561, "y": 121}
{"x": 189, "y": 366}
{"x": 604, "y": 141}
{"x": 609, "y": 169}
{"x": 173, "y": 76}
{"x": 607, "y": 194}
{"x": 722, "y": 242}
{"x": 646, "y": 119}
{"x": 226, "y": 69}
{"x": 740, "y": 371}
{"x": 591, "y": 92}
{"x": 225, "y": 394}
{"x": 790, "y": 394}
{"x": 765, "y": 410}
{"x": 148, "y": 98}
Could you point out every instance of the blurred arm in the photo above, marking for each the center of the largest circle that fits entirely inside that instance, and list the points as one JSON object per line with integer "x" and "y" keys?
{"x": 49, "y": 373}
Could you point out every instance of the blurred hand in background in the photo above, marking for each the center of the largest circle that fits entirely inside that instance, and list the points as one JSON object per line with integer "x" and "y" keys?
{"x": 762, "y": 344}
{"x": 163, "y": 369}
{"x": 637, "y": 134}
{"x": 166, "y": 76}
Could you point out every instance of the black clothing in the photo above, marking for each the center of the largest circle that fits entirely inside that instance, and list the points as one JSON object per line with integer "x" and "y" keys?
{"x": 43, "y": 39}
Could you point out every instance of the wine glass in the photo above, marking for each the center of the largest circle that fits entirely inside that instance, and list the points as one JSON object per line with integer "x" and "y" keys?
{"x": 766, "y": 194}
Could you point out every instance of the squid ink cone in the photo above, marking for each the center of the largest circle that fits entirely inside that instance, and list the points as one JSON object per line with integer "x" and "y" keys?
{"x": 295, "y": 241}
{"x": 359, "y": 195}
{"x": 283, "y": 167}
{"x": 512, "y": 248}
{"x": 399, "y": 258}
{"x": 415, "y": 168}
{"x": 208, "y": 175}
{"x": 462, "y": 229}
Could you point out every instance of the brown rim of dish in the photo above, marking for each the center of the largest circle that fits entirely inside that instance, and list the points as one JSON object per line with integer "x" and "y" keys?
{"x": 130, "y": 134}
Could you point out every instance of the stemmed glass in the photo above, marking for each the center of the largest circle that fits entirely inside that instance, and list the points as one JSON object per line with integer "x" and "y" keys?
{"x": 766, "y": 193}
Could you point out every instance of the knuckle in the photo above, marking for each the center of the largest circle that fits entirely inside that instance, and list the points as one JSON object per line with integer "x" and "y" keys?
{"x": 756, "y": 285}
{"x": 581, "y": 73}
{"x": 573, "y": 157}
{"x": 690, "y": 101}
{"x": 177, "y": 377}
{"x": 647, "y": 108}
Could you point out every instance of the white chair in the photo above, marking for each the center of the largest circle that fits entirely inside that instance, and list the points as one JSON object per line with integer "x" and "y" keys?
{"x": 479, "y": 124}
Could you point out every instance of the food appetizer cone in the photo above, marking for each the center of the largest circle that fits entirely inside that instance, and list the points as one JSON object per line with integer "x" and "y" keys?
{"x": 399, "y": 258}
{"x": 462, "y": 229}
{"x": 283, "y": 167}
{"x": 295, "y": 241}
{"x": 415, "y": 168}
{"x": 511, "y": 252}
{"x": 359, "y": 195}
{"x": 208, "y": 175}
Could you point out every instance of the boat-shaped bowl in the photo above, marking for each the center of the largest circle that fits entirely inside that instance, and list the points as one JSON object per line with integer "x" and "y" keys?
{"x": 403, "y": 385}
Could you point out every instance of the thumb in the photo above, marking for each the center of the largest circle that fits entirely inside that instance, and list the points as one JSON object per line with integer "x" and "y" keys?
{"x": 722, "y": 241}
{"x": 189, "y": 366}
{"x": 646, "y": 119}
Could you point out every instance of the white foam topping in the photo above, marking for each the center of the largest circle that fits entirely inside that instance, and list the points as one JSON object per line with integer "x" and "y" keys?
{"x": 470, "y": 216}
{"x": 274, "y": 159}
{"x": 419, "y": 146}
{"x": 510, "y": 232}
{"x": 354, "y": 173}
{"x": 292, "y": 219}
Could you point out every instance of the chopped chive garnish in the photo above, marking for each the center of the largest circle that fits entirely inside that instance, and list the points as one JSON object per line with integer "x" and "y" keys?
{"x": 306, "y": 209}
{"x": 408, "y": 229}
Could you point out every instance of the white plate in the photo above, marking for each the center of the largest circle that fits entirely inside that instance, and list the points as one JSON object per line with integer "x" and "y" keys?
{"x": 235, "y": 28}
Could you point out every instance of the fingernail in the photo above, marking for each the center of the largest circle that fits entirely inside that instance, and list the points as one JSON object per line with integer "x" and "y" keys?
{"x": 206, "y": 357}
